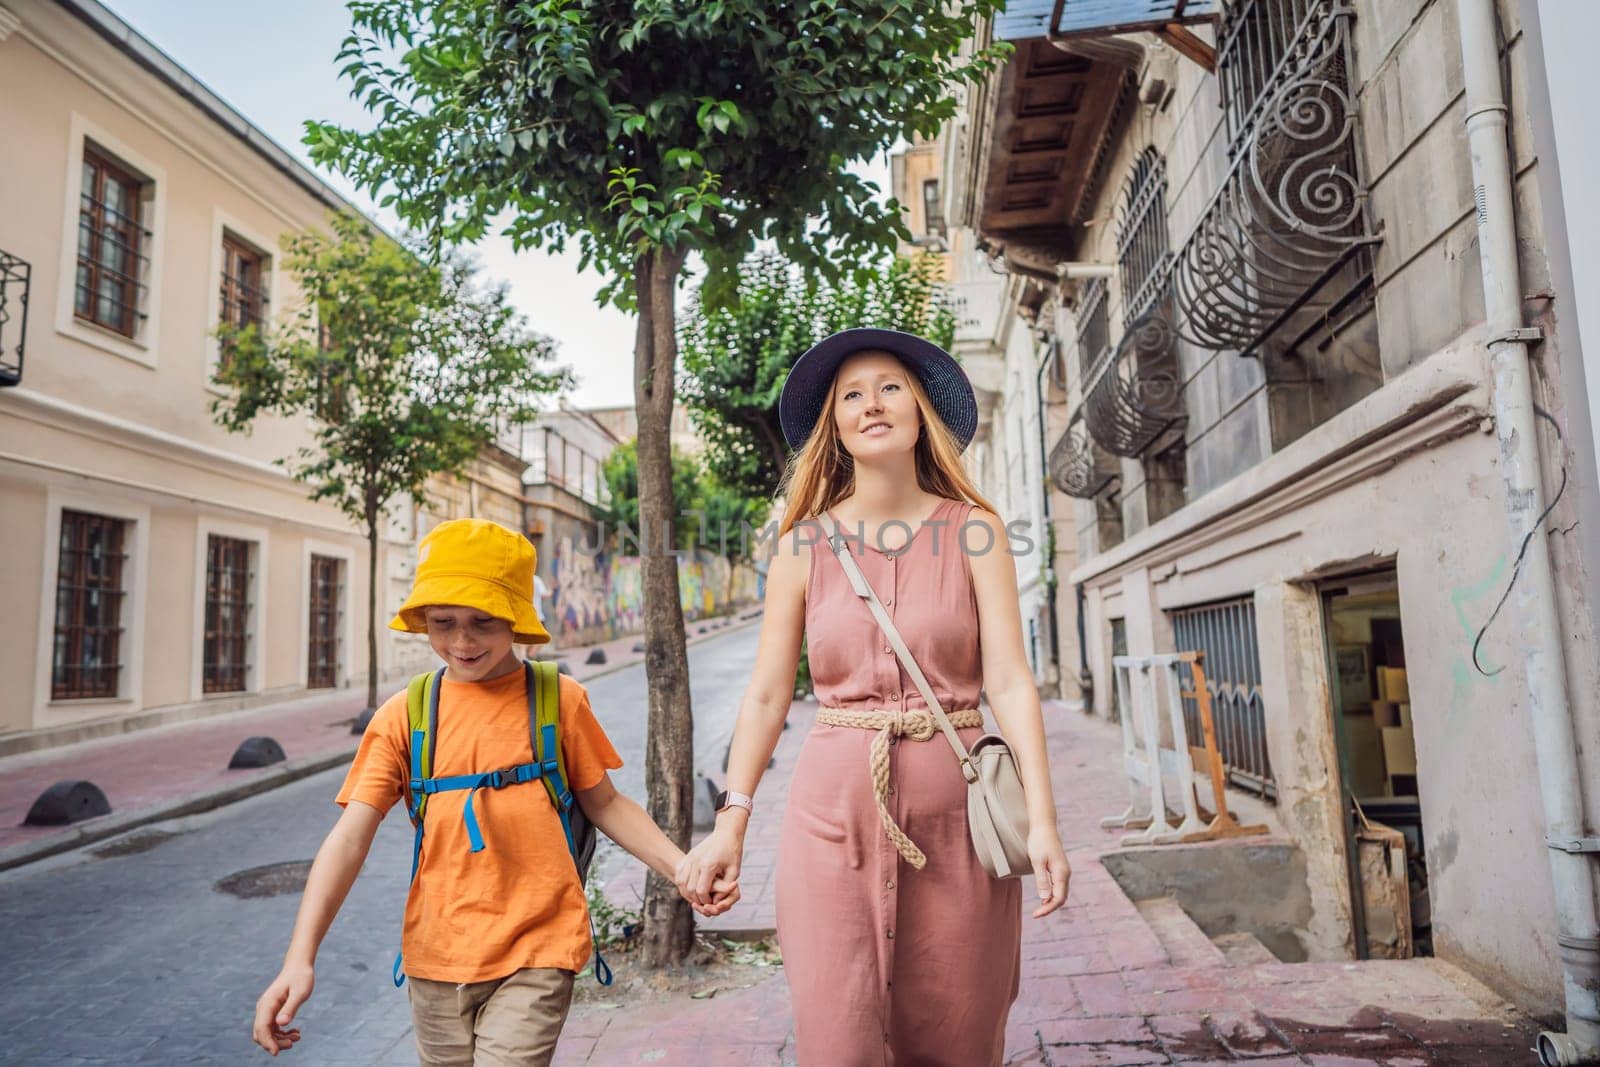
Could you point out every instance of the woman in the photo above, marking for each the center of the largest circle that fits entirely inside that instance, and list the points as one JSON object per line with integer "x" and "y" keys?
{"x": 898, "y": 947}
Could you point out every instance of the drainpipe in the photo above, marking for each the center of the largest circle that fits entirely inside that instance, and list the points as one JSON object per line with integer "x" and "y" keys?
{"x": 1555, "y": 745}
{"x": 1044, "y": 470}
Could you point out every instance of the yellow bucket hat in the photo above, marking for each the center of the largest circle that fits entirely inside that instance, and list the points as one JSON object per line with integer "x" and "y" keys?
{"x": 475, "y": 563}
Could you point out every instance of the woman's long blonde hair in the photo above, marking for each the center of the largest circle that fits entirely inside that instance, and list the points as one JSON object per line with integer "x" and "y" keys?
{"x": 823, "y": 473}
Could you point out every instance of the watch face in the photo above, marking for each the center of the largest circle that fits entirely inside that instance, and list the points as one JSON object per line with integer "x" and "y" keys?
{"x": 722, "y": 800}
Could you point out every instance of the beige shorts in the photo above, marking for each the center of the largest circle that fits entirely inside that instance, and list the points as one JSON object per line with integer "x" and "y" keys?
{"x": 511, "y": 1020}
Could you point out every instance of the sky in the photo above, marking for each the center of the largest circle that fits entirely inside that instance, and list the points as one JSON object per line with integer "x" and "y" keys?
{"x": 275, "y": 64}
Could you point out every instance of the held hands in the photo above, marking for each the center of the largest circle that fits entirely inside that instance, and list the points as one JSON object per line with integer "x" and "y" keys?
{"x": 1051, "y": 871}
{"x": 275, "y": 1010}
{"x": 708, "y": 877}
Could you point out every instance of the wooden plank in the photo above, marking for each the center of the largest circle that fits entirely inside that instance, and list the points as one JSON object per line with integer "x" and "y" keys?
{"x": 1189, "y": 45}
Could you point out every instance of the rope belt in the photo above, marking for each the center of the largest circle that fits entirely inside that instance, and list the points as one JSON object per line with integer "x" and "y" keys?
{"x": 917, "y": 724}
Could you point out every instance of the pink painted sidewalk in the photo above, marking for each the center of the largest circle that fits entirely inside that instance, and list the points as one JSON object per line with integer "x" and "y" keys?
{"x": 1102, "y": 984}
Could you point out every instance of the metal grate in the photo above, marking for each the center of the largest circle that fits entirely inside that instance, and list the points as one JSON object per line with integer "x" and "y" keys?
{"x": 1142, "y": 249}
{"x": 1134, "y": 394}
{"x": 1094, "y": 327}
{"x": 109, "y": 287}
{"x": 14, "y": 278}
{"x": 227, "y": 633}
{"x": 1292, "y": 212}
{"x": 1078, "y": 466}
{"x": 244, "y": 294}
{"x": 89, "y": 597}
{"x": 1226, "y": 633}
{"x": 327, "y": 589}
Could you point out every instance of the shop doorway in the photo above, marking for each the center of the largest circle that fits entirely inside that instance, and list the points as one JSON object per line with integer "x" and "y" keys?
{"x": 1372, "y": 720}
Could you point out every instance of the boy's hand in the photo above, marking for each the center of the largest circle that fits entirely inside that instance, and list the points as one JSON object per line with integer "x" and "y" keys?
{"x": 275, "y": 1010}
{"x": 724, "y": 895}
{"x": 713, "y": 862}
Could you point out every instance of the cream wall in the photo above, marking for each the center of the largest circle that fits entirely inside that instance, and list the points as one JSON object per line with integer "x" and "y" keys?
{"x": 124, "y": 428}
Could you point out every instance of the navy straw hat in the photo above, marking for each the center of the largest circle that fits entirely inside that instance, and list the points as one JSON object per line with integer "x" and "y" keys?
{"x": 806, "y": 388}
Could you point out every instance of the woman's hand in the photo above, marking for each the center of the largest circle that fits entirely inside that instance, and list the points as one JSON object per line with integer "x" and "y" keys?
{"x": 1051, "y": 871}
{"x": 714, "y": 860}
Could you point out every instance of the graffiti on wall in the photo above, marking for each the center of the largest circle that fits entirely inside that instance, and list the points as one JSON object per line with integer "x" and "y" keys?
{"x": 597, "y": 597}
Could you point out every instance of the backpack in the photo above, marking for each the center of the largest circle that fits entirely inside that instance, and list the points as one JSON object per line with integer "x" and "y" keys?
{"x": 549, "y": 766}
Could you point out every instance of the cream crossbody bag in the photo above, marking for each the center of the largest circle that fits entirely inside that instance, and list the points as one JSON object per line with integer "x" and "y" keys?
{"x": 997, "y": 810}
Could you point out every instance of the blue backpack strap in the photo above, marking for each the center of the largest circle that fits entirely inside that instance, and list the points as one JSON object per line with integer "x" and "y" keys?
{"x": 422, "y": 710}
{"x": 544, "y": 719}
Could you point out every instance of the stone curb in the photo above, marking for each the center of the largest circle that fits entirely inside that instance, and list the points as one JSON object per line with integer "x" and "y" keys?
{"x": 211, "y": 799}
{"x": 193, "y": 804}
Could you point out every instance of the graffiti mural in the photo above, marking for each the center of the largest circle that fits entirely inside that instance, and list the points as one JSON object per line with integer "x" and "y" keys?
{"x": 600, "y": 596}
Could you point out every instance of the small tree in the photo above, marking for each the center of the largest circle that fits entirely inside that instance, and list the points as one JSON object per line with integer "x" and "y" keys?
{"x": 621, "y": 511}
{"x": 737, "y": 353}
{"x": 645, "y": 130}
{"x": 402, "y": 370}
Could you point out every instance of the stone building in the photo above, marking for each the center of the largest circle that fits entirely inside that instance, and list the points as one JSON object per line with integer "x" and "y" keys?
{"x": 1241, "y": 257}
{"x": 161, "y": 567}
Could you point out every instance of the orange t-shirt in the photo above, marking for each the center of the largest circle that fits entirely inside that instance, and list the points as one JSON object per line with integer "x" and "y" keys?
{"x": 477, "y": 916}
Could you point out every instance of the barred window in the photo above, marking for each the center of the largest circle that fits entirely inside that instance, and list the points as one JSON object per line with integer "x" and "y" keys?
{"x": 89, "y": 593}
{"x": 227, "y": 633}
{"x": 243, "y": 294}
{"x": 1142, "y": 235}
{"x": 110, "y": 246}
{"x": 1094, "y": 327}
{"x": 1258, "y": 37}
{"x": 327, "y": 593}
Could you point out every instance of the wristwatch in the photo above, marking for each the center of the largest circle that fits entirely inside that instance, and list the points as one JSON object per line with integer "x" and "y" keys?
{"x": 726, "y": 800}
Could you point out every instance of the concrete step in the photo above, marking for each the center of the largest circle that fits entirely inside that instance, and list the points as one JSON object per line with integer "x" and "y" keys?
{"x": 1244, "y": 949}
{"x": 1187, "y": 945}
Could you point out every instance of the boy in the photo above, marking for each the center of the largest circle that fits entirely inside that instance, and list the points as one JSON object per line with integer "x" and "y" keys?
{"x": 491, "y": 938}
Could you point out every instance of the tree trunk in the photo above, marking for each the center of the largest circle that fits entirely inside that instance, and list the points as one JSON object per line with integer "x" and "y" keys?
{"x": 372, "y": 612}
{"x": 669, "y": 751}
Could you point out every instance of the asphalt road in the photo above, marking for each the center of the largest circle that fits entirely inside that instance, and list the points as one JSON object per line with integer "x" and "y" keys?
{"x": 129, "y": 951}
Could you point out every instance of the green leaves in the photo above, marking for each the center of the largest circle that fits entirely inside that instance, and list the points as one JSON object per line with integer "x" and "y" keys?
{"x": 737, "y": 350}
{"x": 484, "y": 111}
{"x": 401, "y": 370}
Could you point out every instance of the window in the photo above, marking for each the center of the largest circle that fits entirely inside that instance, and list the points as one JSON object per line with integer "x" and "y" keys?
{"x": 327, "y": 593}
{"x": 1142, "y": 235}
{"x": 89, "y": 594}
{"x": 932, "y": 211}
{"x": 1226, "y": 633}
{"x": 1094, "y": 328}
{"x": 227, "y": 633}
{"x": 243, "y": 293}
{"x": 332, "y": 383}
{"x": 110, "y": 246}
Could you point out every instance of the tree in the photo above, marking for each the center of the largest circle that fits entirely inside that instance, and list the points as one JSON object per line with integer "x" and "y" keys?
{"x": 619, "y": 515}
{"x": 642, "y": 131}
{"x": 737, "y": 353}
{"x": 403, "y": 371}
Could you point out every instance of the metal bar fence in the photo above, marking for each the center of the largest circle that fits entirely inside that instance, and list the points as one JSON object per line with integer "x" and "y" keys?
{"x": 1226, "y": 633}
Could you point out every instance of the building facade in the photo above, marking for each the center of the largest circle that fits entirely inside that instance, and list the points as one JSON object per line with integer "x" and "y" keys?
{"x": 163, "y": 568}
{"x": 1243, "y": 253}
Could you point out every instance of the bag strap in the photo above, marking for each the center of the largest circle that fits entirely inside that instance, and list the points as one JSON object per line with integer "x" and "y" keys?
{"x": 544, "y": 728}
{"x": 864, "y": 590}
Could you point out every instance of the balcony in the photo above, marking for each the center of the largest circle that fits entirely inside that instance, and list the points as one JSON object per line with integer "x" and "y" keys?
{"x": 1133, "y": 393}
{"x": 1078, "y": 466}
{"x": 1292, "y": 213}
{"x": 14, "y": 277}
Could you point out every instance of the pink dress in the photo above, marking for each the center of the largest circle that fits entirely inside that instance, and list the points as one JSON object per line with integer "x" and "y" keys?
{"x": 889, "y": 966}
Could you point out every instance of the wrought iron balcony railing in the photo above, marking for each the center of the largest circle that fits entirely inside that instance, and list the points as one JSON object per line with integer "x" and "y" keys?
{"x": 1078, "y": 466}
{"x": 14, "y": 277}
{"x": 1134, "y": 393}
{"x": 1292, "y": 211}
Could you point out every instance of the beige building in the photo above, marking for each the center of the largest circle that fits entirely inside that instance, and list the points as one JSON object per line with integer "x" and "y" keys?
{"x": 160, "y": 568}
{"x": 1244, "y": 268}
